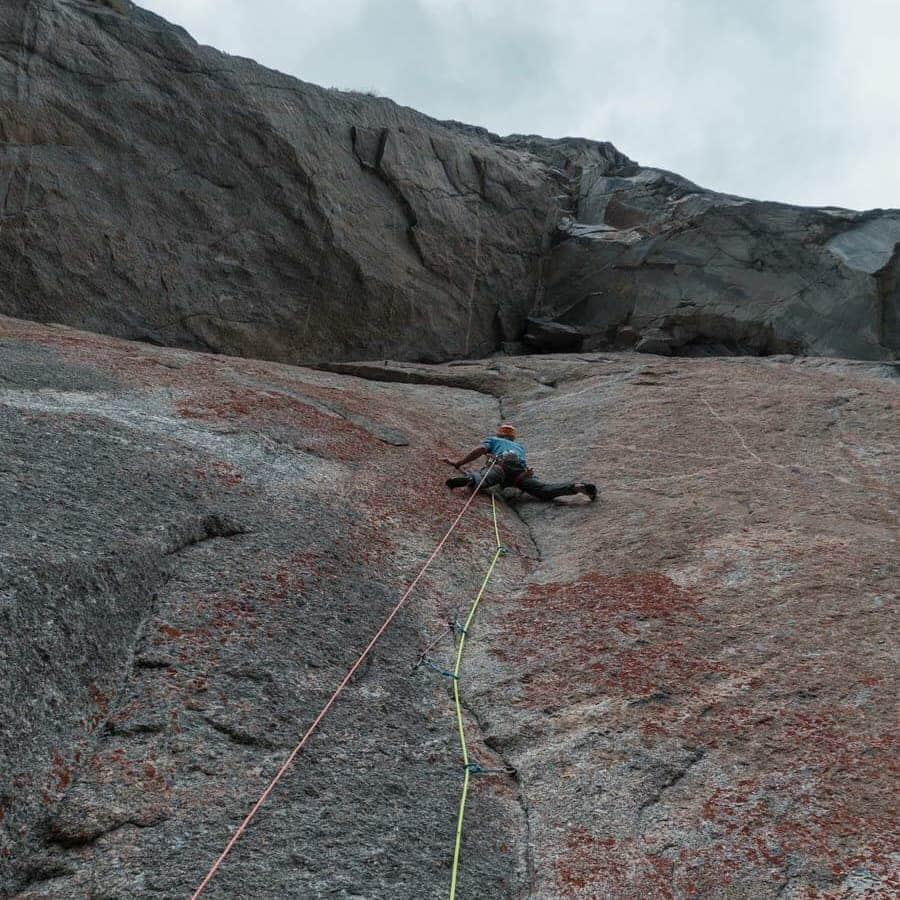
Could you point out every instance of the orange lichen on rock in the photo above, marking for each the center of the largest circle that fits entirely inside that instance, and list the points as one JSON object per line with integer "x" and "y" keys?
{"x": 585, "y": 634}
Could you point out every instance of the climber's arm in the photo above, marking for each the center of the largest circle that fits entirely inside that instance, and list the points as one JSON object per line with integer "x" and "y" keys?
{"x": 478, "y": 451}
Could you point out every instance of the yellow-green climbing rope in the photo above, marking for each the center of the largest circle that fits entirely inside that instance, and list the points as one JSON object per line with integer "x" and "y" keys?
{"x": 499, "y": 550}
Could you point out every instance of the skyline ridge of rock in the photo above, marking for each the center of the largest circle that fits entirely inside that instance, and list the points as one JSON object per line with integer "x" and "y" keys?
{"x": 164, "y": 191}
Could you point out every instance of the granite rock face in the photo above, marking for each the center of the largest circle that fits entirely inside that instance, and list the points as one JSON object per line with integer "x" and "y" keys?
{"x": 692, "y": 272}
{"x": 159, "y": 190}
{"x": 685, "y": 690}
{"x": 689, "y": 684}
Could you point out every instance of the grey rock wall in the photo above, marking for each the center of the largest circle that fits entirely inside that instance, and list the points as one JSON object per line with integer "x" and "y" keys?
{"x": 687, "y": 689}
{"x": 647, "y": 257}
{"x": 156, "y": 189}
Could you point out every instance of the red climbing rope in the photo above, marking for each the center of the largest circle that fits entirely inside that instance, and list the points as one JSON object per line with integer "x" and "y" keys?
{"x": 286, "y": 765}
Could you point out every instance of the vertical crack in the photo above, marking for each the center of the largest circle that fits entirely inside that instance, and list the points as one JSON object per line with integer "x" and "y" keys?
{"x": 527, "y": 844}
{"x": 521, "y": 796}
{"x": 531, "y": 535}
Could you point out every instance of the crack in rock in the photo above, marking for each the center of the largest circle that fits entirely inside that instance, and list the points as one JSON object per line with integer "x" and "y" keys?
{"x": 198, "y": 531}
{"x": 673, "y": 775}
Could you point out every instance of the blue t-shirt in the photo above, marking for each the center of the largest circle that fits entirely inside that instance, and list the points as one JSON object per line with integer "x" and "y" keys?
{"x": 498, "y": 445}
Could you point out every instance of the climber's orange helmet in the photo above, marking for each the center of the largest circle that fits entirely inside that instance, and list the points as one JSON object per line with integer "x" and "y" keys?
{"x": 507, "y": 431}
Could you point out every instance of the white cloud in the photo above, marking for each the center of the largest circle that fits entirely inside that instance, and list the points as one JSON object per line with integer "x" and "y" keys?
{"x": 794, "y": 101}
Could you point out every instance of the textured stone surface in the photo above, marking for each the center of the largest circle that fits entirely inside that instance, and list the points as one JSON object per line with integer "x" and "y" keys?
{"x": 155, "y": 189}
{"x": 693, "y": 272}
{"x": 692, "y": 677}
{"x": 194, "y": 549}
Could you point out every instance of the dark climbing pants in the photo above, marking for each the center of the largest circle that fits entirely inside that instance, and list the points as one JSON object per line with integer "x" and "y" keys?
{"x": 511, "y": 476}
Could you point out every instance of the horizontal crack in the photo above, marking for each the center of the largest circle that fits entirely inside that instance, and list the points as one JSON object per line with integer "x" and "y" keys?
{"x": 384, "y": 374}
{"x": 239, "y": 735}
{"x": 84, "y": 836}
{"x": 200, "y": 530}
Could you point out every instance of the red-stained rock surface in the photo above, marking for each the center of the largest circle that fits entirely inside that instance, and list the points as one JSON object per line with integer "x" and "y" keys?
{"x": 692, "y": 677}
{"x": 708, "y": 701}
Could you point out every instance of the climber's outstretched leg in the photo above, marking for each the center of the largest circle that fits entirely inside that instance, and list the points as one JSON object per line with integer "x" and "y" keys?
{"x": 544, "y": 491}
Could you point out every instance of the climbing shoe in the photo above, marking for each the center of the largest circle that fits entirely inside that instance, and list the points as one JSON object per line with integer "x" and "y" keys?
{"x": 457, "y": 481}
{"x": 590, "y": 490}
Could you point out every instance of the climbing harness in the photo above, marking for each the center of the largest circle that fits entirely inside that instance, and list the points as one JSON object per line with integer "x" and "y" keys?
{"x": 510, "y": 464}
{"x": 346, "y": 679}
{"x": 521, "y": 476}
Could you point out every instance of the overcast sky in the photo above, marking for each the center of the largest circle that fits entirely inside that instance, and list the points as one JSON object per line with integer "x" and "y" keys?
{"x": 792, "y": 100}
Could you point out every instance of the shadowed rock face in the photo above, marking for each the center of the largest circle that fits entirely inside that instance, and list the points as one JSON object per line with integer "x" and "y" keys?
{"x": 651, "y": 259}
{"x": 157, "y": 189}
{"x": 160, "y": 190}
{"x": 692, "y": 677}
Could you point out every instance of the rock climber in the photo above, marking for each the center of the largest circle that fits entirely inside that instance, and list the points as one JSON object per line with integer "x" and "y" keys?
{"x": 507, "y": 468}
